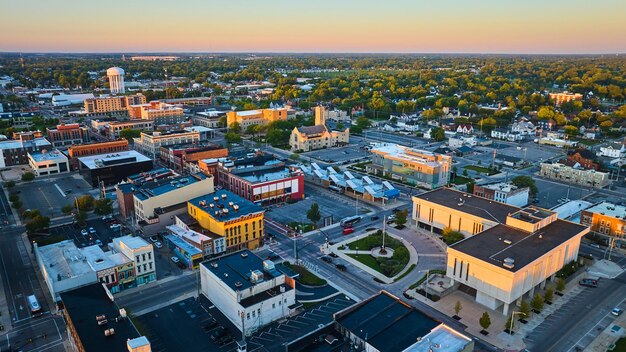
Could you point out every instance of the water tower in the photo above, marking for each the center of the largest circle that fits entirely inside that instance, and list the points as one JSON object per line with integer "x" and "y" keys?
{"x": 116, "y": 80}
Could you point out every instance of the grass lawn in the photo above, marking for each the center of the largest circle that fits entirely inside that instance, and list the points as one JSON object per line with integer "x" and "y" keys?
{"x": 368, "y": 260}
{"x": 482, "y": 170}
{"x": 460, "y": 180}
{"x": 587, "y": 141}
{"x": 306, "y": 277}
{"x": 373, "y": 241}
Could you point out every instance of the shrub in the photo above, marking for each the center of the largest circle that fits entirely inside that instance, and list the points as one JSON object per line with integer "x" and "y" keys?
{"x": 537, "y": 302}
{"x": 28, "y": 176}
{"x": 485, "y": 321}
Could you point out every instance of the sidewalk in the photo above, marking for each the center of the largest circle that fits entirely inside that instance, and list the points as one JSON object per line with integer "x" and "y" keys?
{"x": 149, "y": 285}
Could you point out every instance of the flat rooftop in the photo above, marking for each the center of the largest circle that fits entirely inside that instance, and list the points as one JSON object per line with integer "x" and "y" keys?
{"x": 524, "y": 248}
{"x": 444, "y": 337}
{"x": 474, "y": 205}
{"x": 131, "y": 242}
{"x": 500, "y": 186}
{"x": 220, "y": 201}
{"x": 97, "y": 258}
{"x": 193, "y": 236}
{"x": 609, "y": 209}
{"x": 184, "y": 245}
{"x": 54, "y": 155}
{"x": 83, "y": 305}
{"x": 113, "y": 159}
{"x": 17, "y": 144}
{"x": 234, "y": 269}
{"x": 266, "y": 175}
{"x": 151, "y": 175}
{"x": 63, "y": 260}
{"x": 380, "y": 319}
{"x": 167, "y": 185}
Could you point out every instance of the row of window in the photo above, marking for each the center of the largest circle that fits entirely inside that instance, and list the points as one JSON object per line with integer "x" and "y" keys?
{"x": 460, "y": 275}
{"x": 146, "y": 267}
{"x": 143, "y": 257}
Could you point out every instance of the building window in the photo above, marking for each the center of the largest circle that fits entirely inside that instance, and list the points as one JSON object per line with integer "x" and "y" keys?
{"x": 137, "y": 259}
{"x": 150, "y": 266}
{"x": 248, "y": 316}
{"x": 143, "y": 257}
{"x": 467, "y": 272}
{"x": 149, "y": 256}
{"x": 454, "y": 272}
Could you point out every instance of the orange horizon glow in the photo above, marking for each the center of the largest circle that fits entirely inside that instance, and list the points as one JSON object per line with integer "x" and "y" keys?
{"x": 396, "y": 26}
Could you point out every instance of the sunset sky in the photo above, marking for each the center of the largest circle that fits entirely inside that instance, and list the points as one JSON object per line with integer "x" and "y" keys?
{"x": 441, "y": 26}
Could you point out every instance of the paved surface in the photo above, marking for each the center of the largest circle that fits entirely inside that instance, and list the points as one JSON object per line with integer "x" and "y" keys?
{"x": 330, "y": 203}
{"x": 345, "y": 154}
{"x": 19, "y": 280}
{"x": 578, "y": 322}
{"x": 50, "y": 194}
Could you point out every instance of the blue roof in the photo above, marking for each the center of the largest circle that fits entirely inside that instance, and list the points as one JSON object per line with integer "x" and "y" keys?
{"x": 184, "y": 245}
{"x": 167, "y": 185}
{"x": 234, "y": 269}
{"x": 222, "y": 205}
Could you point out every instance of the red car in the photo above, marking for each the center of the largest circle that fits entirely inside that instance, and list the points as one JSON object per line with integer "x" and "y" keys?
{"x": 348, "y": 230}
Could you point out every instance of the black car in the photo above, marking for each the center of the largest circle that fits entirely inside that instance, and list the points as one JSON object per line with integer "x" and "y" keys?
{"x": 327, "y": 259}
{"x": 341, "y": 267}
{"x": 273, "y": 256}
{"x": 374, "y": 218}
{"x": 225, "y": 340}
{"x": 217, "y": 334}
{"x": 588, "y": 283}
{"x": 211, "y": 324}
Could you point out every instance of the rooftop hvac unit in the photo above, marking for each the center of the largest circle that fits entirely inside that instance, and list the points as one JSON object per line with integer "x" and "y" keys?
{"x": 268, "y": 265}
{"x": 244, "y": 254}
{"x": 223, "y": 195}
{"x": 122, "y": 312}
{"x": 225, "y": 211}
{"x": 216, "y": 199}
{"x": 101, "y": 319}
{"x": 509, "y": 263}
{"x": 236, "y": 207}
{"x": 109, "y": 332}
{"x": 214, "y": 264}
{"x": 507, "y": 241}
{"x": 256, "y": 276}
{"x": 238, "y": 284}
{"x": 212, "y": 205}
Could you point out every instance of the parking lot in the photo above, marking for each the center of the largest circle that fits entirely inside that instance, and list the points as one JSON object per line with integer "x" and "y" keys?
{"x": 181, "y": 327}
{"x": 330, "y": 203}
{"x": 49, "y": 195}
{"x": 350, "y": 153}
{"x": 529, "y": 151}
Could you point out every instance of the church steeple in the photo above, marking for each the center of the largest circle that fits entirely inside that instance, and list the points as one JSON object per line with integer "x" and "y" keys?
{"x": 320, "y": 116}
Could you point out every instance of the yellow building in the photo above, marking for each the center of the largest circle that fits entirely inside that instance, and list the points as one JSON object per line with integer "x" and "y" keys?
{"x": 227, "y": 215}
{"x": 256, "y": 117}
{"x": 156, "y": 110}
{"x": 101, "y": 105}
{"x": 507, "y": 262}
{"x": 460, "y": 211}
{"x": 306, "y": 138}
{"x": 560, "y": 98}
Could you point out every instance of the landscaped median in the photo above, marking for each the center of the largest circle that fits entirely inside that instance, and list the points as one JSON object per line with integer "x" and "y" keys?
{"x": 306, "y": 277}
{"x": 385, "y": 265}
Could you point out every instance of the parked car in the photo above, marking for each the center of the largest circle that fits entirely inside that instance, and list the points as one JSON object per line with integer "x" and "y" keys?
{"x": 92, "y": 230}
{"x": 107, "y": 218}
{"x": 273, "y": 256}
{"x": 99, "y": 243}
{"x": 158, "y": 245}
{"x": 616, "y": 311}
{"x": 115, "y": 227}
{"x": 341, "y": 267}
{"x": 595, "y": 245}
{"x": 334, "y": 255}
{"x": 84, "y": 232}
{"x": 211, "y": 324}
{"x": 588, "y": 283}
{"x": 154, "y": 239}
{"x": 175, "y": 259}
{"x": 225, "y": 340}
{"x": 348, "y": 230}
{"x": 374, "y": 218}
{"x": 218, "y": 333}
{"x": 327, "y": 259}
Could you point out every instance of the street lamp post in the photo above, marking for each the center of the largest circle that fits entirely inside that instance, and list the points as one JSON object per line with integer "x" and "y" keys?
{"x": 513, "y": 321}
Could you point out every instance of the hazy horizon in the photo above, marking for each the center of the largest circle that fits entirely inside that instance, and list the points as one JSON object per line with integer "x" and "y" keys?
{"x": 532, "y": 27}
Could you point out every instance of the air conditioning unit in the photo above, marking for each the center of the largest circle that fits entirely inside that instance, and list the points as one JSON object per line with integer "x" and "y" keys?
{"x": 256, "y": 276}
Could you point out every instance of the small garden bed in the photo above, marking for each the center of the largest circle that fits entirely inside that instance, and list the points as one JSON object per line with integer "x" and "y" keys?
{"x": 386, "y": 266}
{"x": 460, "y": 180}
{"x": 481, "y": 169}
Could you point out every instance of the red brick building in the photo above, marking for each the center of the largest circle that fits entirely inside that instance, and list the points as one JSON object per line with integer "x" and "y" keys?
{"x": 584, "y": 157}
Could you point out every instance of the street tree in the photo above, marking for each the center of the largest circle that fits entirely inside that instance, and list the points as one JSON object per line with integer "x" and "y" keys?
{"x": 525, "y": 181}
{"x": 313, "y": 213}
{"x": 537, "y": 302}
{"x": 28, "y": 176}
{"x": 560, "y": 284}
{"x": 401, "y": 217}
{"x": 485, "y": 321}
{"x": 457, "y": 307}
{"x": 548, "y": 294}
{"x": 103, "y": 206}
{"x": 524, "y": 308}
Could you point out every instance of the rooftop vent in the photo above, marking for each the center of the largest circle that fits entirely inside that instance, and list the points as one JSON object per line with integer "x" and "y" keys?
{"x": 244, "y": 255}
{"x": 236, "y": 207}
{"x": 216, "y": 199}
{"x": 109, "y": 332}
{"x": 122, "y": 312}
{"x": 238, "y": 284}
{"x": 223, "y": 195}
{"x": 101, "y": 319}
{"x": 507, "y": 241}
{"x": 509, "y": 263}
{"x": 256, "y": 276}
{"x": 214, "y": 264}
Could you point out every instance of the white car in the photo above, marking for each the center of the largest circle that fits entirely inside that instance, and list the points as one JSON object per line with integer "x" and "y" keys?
{"x": 84, "y": 232}
{"x": 159, "y": 245}
{"x": 617, "y": 311}
{"x": 175, "y": 260}
{"x": 92, "y": 230}
{"x": 154, "y": 239}
{"x": 115, "y": 226}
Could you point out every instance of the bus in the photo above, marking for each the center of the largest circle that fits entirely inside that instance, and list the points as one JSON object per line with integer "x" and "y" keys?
{"x": 351, "y": 220}
{"x": 35, "y": 308}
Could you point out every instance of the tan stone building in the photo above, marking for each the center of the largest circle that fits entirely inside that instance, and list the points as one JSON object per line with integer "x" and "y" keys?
{"x": 579, "y": 176}
{"x": 306, "y": 138}
{"x": 560, "y": 98}
{"x": 256, "y": 117}
{"x": 607, "y": 220}
{"x": 111, "y": 104}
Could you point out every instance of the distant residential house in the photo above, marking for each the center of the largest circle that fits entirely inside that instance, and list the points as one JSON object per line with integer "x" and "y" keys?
{"x": 546, "y": 125}
{"x": 457, "y": 141}
{"x": 524, "y": 127}
{"x": 613, "y": 150}
{"x": 465, "y": 129}
{"x": 507, "y": 135}
{"x": 583, "y": 157}
{"x": 464, "y": 150}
